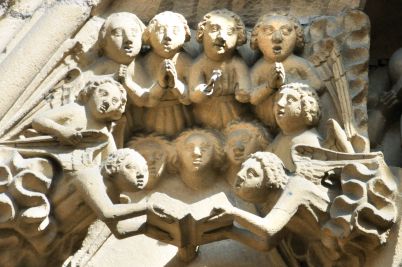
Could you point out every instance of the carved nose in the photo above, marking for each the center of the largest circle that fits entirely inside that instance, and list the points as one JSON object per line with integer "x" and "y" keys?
{"x": 197, "y": 151}
{"x": 239, "y": 147}
{"x": 277, "y": 37}
{"x": 239, "y": 181}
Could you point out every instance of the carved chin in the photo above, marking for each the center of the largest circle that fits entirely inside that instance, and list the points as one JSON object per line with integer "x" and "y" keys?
{"x": 250, "y": 195}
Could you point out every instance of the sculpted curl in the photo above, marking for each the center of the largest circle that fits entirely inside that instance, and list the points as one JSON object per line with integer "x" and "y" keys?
{"x": 240, "y": 27}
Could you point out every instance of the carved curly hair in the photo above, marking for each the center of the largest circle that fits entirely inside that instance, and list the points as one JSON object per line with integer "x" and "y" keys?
{"x": 310, "y": 102}
{"x": 296, "y": 25}
{"x": 140, "y": 141}
{"x": 112, "y": 165}
{"x": 216, "y": 141}
{"x": 89, "y": 88}
{"x": 154, "y": 21}
{"x": 256, "y": 129}
{"x": 106, "y": 25}
{"x": 240, "y": 27}
{"x": 275, "y": 176}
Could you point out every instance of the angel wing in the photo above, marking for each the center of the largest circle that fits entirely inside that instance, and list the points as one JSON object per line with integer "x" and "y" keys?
{"x": 315, "y": 163}
{"x": 51, "y": 87}
{"x": 330, "y": 68}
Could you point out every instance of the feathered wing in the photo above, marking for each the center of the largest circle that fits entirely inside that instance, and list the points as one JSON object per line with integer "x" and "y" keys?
{"x": 316, "y": 163}
{"x": 331, "y": 70}
{"x": 52, "y": 87}
{"x": 346, "y": 83}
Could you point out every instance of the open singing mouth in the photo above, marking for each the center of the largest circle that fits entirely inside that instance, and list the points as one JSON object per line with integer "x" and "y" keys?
{"x": 140, "y": 180}
{"x": 280, "y": 112}
{"x": 104, "y": 107}
{"x": 277, "y": 49}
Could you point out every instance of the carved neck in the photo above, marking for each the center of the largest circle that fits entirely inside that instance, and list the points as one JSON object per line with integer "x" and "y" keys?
{"x": 219, "y": 57}
{"x": 294, "y": 129}
{"x": 199, "y": 179}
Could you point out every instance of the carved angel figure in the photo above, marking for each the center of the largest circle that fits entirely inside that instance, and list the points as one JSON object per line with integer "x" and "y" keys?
{"x": 159, "y": 154}
{"x": 162, "y": 89}
{"x": 219, "y": 77}
{"x": 297, "y": 112}
{"x": 278, "y": 37}
{"x": 241, "y": 140}
{"x": 119, "y": 41}
{"x": 200, "y": 157}
{"x": 332, "y": 214}
{"x": 100, "y": 102}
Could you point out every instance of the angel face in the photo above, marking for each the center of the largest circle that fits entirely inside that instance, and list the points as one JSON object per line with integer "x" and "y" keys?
{"x": 133, "y": 171}
{"x": 167, "y": 36}
{"x": 197, "y": 153}
{"x": 156, "y": 158}
{"x": 123, "y": 39}
{"x": 240, "y": 144}
{"x": 277, "y": 38}
{"x": 288, "y": 109}
{"x": 249, "y": 183}
{"x": 107, "y": 102}
{"x": 220, "y": 36}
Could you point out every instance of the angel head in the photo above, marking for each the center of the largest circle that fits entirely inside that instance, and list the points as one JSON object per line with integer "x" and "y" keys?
{"x": 277, "y": 36}
{"x": 166, "y": 33}
{"x": 243, "y": 139}
{"x": 262, "y": 174}
{"x": 199, "y": 150}
{"x": 120, "y": 37}
{"x": 127, "y": 168}
{"x": 159, "y": 154}
{"x": 105, "y": 98}
{"x": 221, "y": 31}
{"x": 296, "y": 107}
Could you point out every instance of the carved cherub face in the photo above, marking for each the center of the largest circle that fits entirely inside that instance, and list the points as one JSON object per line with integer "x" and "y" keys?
{"x": 240, "y": 144}
{"x": 277, "y": 37}
{"x": 167, "y": 35}
{"x": 220, "y": 36}
{"x": 288, "y": 109}
{"x": 122, "y": 41}
{"x": 156, "y": 158}
{"x": 197, "y": 153}
{"x": 249, "y": 183}
{"x": 134, "y": 171}
{"x": 107, "y": 102}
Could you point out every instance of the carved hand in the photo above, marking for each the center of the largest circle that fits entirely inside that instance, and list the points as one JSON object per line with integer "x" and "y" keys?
{"x": 219, "y": 211}
{"x": 388, "y": 101}
{"x": 277, "y": 76}
{"x": 171, "y": 74}
{"x": 162, "y": 75}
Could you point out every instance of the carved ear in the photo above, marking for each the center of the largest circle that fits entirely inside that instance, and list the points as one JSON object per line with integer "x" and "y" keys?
{"x": 145, "y": 37}
{"x": 188, "y": 33}
{"x": 200, "y": 33}
{"x": 253, "y": 39}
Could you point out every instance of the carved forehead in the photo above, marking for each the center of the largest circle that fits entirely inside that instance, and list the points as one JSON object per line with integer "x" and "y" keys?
{"x": 122, "y": 20}
{"x": 196, "y": 138}
{"x": 168, "y": 18}
{"x": 276, "y": 20}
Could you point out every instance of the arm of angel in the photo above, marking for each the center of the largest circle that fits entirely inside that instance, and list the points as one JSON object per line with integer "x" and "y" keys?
{"x": 51, "y": 122}
{"x": 260, "y": 90}
{"x": 242, "y": 92}
{"x": 89, "y": 183}
{"x": 197, "y": 84}
{"x": 148, "y": 97}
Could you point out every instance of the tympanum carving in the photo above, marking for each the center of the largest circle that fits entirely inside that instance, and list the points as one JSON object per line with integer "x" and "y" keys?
{"x": 303, "y": 157}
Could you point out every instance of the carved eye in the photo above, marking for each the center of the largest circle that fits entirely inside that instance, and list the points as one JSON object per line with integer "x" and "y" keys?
{"x": 268, "y": 30}
{"x": 117, "y": 32}
{"x": 286, "y": 30}
{"x": 103, "y": 92}
{"x": 115, "y": 100}
{"x": 251, "y": 173}
{"x": 214, "y": 28}
{"x": 175, "y": 29}
{"x": 231, "y": 31}
{"x": 130, "y": 166}
{"x": 291, "y": 99}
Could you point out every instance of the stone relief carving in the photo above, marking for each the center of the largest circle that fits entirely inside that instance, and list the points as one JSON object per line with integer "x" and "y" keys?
{"x": 219, "y": 77}
{"x": 306, "y": 161}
